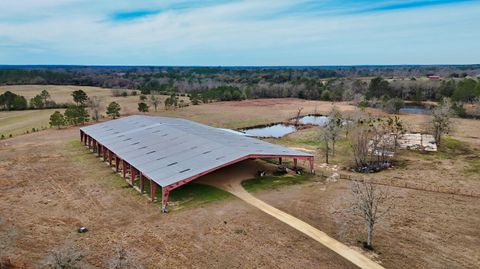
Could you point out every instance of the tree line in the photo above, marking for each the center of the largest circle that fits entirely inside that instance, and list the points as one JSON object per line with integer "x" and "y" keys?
{"x": 78, "y": 113}
{"x": 11, "y": 101}
{"x": 388, "y": 89}
{"x": 145, "y": 76}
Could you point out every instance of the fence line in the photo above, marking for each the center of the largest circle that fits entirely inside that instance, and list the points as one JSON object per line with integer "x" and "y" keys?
{"x": 420, "y": 187}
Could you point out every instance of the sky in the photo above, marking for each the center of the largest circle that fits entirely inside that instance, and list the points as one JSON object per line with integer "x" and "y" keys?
{"x": 239, "y": 33}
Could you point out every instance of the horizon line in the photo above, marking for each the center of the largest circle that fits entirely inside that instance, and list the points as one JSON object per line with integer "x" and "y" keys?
{"x": 235, "y": 66}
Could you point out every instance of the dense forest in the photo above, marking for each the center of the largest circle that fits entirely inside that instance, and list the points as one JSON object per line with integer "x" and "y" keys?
{"x": 196, "y": 78}
{"x": 367, "y": 84}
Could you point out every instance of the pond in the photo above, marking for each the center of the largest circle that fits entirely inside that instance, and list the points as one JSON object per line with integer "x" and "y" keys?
{"x": 276, "y": 130}
{"x": 415, "y": 109}
{"x": 313, "y": 119}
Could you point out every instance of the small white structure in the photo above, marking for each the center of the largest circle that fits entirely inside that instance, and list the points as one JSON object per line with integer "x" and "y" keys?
{"x": 384, "y": 145}
{"x": 424, "y": 142}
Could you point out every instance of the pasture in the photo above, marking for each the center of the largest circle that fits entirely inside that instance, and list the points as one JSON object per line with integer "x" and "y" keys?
{"x": 51, "y": 186}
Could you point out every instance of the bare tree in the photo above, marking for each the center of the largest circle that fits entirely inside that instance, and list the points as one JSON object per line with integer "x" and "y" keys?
{"x": 396, "y": 127}
{"x": 373, "y": 142}
{"x": 441, "y": 121}
{"x": 335, "y": 124}
{"x": 154, "y": 100}
{"x": 325, "y": 137}
{"x": 66, "y": 257}
{"x": 119, "y": 92}
{"x": 123, "y": 259}
{"x": 477, "y": 107}
{"x": 95, "y": 104}
{"x": 359, "y": 139}
{"x": 330, "y": 132}
{"x": 297, "y": 117}
{"x": 371, "y": 203}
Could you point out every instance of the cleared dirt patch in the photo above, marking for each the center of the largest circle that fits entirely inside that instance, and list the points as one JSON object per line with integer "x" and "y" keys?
{"x": 55, "y": 191}
{"x": 47, "y": 190}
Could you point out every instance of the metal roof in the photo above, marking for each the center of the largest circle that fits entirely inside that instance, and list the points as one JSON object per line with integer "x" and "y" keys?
{"x": 169, "y": 150}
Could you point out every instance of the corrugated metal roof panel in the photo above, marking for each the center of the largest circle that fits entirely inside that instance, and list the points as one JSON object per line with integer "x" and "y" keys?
{"x": 169, "y": 150}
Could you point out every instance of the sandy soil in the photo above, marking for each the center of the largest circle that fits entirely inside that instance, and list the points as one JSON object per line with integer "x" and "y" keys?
{"x": 243, "y": 171}
{"x": 424, "y": 230}
{"x": 49, "y": 187}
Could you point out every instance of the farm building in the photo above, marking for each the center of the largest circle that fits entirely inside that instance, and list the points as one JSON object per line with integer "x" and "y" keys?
{"x": 170, "y": 152}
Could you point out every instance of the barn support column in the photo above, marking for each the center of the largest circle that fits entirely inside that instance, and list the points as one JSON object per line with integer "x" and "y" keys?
{"x": 99, "y": 149}
{"x": 294, "y": 163}
{"x": 81, "y": 136}
{"x": 104, "y": 154}
{"x": 124, "y": 168}
{"x": 133, "y": 174}
{"x": 280, "y": 160}
{"x": 109, "y": 157}
{"x": 94, "y": 145}
{"x": 89, "y": 142}
{"x": 117, "y": 163}
{"x": 153, "y": 190}
{"x": 312, "y": 170}
{"x": 142, "y": 183}
{"x": 165, "y": 193}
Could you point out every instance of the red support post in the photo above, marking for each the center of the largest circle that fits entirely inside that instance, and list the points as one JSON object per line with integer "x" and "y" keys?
{"x": 165, "y": 193}
{"x": 94, "y": 145}
{"x": 142, "y": 183}
{"x": 294, "y": 163}
{"x": 124, "y": 168}
{"x": 99, "y": 149}
{"x": 280, "y": 161}
{"x": 89, "y": 142}
{"x": 104, "y": 153}
{"x": 312, "y": 170}
{"x": 109, "y": 157}
{"x": 153, "y": 190}
{"x": 81, "y": 136}
{"x": 133, "y": 175}
{"x": 117, "y": 163}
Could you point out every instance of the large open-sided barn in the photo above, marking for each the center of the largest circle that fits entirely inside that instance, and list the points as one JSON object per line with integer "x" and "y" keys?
{"x": 170, "y": 152}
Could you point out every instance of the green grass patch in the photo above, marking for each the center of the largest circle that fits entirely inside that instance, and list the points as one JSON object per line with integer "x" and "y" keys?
{"x": 474, "y": 166}
{"x": 271, "y": 182}
{"x": 451, "y": 148}
{"x": 189, "y": 195}
{"x": 19, "y": 122}
{"x": 195, "y": 194}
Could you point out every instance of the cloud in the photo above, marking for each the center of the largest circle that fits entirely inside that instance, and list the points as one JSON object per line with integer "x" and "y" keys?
{"x": 398, "y": 5}
{"x": 132, "y": 15}
{"x": 282, "y": 32}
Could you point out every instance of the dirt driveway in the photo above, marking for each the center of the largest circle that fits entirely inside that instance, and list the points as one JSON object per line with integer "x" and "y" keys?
{"x": 245, "y": 170}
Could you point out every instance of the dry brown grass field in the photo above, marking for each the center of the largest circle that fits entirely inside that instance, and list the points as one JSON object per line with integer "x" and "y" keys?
{"x": 50, "y": 186}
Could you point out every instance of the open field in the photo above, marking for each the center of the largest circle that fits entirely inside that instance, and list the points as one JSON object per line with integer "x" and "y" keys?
{"x": 50, "y": 208}
{"x": 59, "y": 93}
{"x": 17, "y": 122}
{"x": 50, "y": 186}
